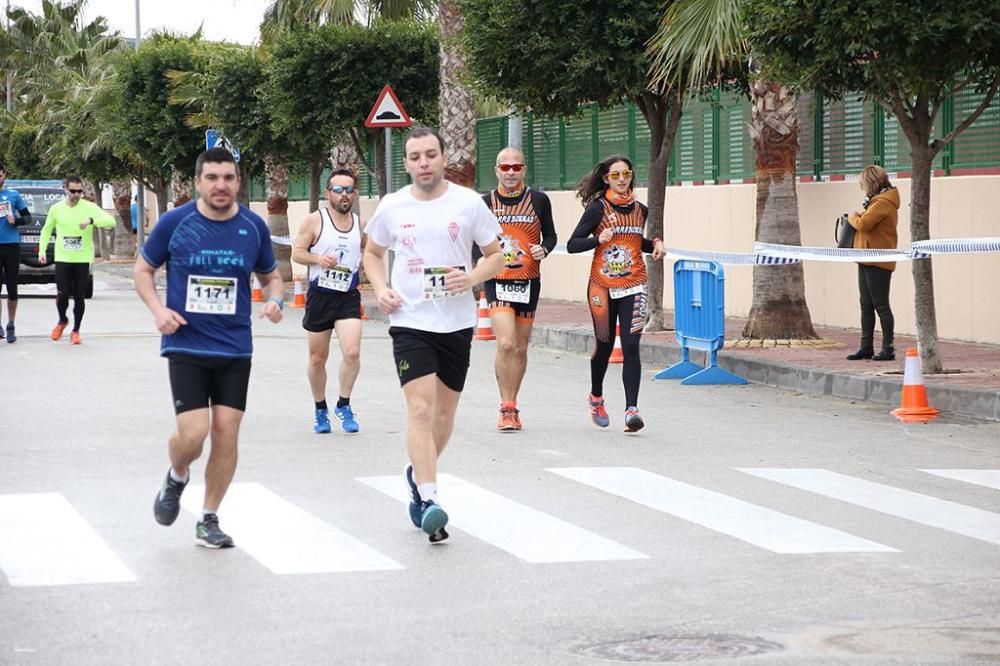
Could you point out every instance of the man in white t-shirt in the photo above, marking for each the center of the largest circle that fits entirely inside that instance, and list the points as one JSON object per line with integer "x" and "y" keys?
{"x": 431, "y": 226}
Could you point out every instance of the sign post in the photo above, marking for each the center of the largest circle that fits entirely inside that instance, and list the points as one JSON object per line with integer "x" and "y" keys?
{"x": 388, "y": 113}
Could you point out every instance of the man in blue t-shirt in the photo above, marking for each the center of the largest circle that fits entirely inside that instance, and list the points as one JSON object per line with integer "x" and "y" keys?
{"x": 211, "y": 247}
{"x": 11, "y": 204}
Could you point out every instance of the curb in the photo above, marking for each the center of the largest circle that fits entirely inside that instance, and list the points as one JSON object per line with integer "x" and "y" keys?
{"x": 978, "y": 403}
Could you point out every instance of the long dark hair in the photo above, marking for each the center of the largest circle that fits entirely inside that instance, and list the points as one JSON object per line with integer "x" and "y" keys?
{"x": 593, "y": 186}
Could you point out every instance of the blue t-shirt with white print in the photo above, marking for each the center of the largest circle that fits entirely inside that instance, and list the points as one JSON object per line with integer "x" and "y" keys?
{"x": 10, "y": 199}
{"x": 209, "y": 266}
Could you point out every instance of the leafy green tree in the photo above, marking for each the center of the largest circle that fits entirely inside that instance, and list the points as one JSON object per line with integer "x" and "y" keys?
{"x": 551, "y": 57}
{"x": 704, "y": 41}
{"x": 910, "y": 57}
{"x": 322, "y": 83}
{"x": 150, "y": 130}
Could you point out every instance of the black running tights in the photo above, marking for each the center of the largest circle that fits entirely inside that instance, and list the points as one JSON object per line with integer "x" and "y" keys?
{"x": 630, "y": 313}
{"x": 71, "y": 281}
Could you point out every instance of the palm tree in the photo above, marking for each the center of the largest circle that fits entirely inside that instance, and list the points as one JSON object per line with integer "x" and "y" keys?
{"x": 701, "y": 41}
{"x": 456, "y": 104}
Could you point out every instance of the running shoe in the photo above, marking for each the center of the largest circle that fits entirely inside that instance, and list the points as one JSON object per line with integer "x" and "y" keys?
{"x": 432, "y": 521}
{"x": 633, "y": 422}
{"x": 416, "y": 510}
{"x": 516, "y": 418}
{"x": 598, "y": 414}
{"x": 507, "y": 421}
{"x": 11, "y": 336}
{"x": 58, "y": 329}
{"x": 347, "y": 420}
{"x": 168, "y": 500}
{"x": 322, "y": 423}
{"x": 1, "y": 332}
{"x": 208, "y": 534}
{"x": 74, "y": 338}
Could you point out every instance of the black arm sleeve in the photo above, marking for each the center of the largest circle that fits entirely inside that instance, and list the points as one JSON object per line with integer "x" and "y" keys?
{"x": 583, "y": 237}
{"x": 543, "y": 207}
{"x": 25, "y": 217}
{"x": 647, "y": 245}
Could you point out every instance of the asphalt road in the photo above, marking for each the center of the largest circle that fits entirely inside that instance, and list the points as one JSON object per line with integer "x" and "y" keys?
{"x": 744, "y": 524}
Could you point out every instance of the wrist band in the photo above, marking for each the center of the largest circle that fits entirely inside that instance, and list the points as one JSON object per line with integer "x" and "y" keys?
{"x": 275, "y": 299}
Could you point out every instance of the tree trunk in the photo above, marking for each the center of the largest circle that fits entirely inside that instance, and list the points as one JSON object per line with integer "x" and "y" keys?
{"x": 456, "y": 105}
{"x": 663, "y": 115}
{"x": 779, "y": 309}
{"x": 315, "y": 171}
{"x": 124, "y": 239}
{"x": 181, "y": 184}
{"x": 277, "y": 212}
{"x": 923, "y": 275}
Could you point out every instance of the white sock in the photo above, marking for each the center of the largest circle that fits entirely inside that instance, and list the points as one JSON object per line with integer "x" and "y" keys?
{"x": 173, "y": 475}
{"x": 428, "y": 492}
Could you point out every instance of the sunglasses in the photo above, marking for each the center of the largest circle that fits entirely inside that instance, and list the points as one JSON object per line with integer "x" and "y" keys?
{"x": 615, "y": 175}
{"x": 341, "y": 189}
{"x": 75, "y": 191}
{"x": 510, "y": 167}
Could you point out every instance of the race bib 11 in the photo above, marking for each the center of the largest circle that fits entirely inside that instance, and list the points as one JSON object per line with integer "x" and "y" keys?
{"x": 434, "y": 282}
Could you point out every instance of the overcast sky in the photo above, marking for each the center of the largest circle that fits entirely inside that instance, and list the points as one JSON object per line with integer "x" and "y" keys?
{"x": 231, "y": 20}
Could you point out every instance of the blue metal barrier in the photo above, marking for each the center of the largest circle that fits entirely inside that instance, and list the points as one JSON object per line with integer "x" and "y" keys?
{"x": 700, "y": 322}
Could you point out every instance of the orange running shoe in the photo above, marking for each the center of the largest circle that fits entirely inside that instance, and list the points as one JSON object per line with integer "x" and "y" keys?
{"x": 598, "y": 414}
{"x": 74, "y": 337}
{"x": 57, "y": 330}
{"x": 506, "y": 421}
{"x": 516, "y": 419}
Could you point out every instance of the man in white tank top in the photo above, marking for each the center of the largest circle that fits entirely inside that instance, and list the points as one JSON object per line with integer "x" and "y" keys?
{"x": 330, "y": 243}
{"x": 431, "y": 226}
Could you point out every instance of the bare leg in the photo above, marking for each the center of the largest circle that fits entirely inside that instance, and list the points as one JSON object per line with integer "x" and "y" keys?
{"x": 506, "y": 363}
{"x": 222, "y": 458}
{"x": 420, "y": 441}
{"x": 349, "y": 335}
{"x": 319, "y": 352}
{"x": 187, "y": 442}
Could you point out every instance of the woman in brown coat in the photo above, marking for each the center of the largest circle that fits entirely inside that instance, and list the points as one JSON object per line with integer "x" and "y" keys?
{"x": 876, "y": 229}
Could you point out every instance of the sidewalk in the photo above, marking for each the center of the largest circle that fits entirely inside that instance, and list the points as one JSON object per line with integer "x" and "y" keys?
{"x": 970, "y": 387}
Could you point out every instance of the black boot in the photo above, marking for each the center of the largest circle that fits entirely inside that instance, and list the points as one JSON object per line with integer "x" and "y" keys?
{"x": 864, "y": 352}
{"x": 887, "y": 354}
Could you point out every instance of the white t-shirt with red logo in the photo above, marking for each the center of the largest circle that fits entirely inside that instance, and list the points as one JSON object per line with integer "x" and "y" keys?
{"x": 428, "y": 237}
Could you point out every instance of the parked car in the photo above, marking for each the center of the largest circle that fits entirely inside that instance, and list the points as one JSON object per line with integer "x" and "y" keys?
{"x": 39, "y": 195}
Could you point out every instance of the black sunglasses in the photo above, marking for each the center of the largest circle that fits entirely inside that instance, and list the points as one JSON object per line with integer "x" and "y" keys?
{"x": 74, "y": 191}
{"x": 341, "y": 189}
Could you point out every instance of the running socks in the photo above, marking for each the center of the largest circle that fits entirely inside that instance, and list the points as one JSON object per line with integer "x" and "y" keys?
{"x": 342, "y": 402}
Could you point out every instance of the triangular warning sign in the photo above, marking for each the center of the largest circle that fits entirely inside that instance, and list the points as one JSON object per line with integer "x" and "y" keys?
{"x": 388, "y": 112}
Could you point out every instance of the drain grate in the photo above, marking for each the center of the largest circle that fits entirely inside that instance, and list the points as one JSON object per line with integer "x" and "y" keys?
{"x": 669, "y": 648}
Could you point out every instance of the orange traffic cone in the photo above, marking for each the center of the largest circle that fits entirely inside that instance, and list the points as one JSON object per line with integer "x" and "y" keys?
{"x": 914, "y": 407}
{"x": 616, "y": 353}
{"x": 256, "y": 294}
{"x": 299, "y": 300}
{"x": 484, "y": 327}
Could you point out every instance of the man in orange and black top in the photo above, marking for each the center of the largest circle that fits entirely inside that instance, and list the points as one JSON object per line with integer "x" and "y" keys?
{"x": 527, "y": 236}
{"x": 612, "y": 226}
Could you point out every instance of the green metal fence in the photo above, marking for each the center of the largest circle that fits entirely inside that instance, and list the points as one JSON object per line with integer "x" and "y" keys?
{"x": 836, "y": 137}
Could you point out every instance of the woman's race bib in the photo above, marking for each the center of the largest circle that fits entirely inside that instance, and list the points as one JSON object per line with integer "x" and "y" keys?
{"x": 211, "y": 295}
{"x": 627, "y": 291}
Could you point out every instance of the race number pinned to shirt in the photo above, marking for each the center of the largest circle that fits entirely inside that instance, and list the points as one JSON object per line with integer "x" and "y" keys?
{"x": 72, "y": 243}
{"x": 514, "y": 291}
{"x": 338, "y": 278}
{"x": 627, "y": 291}
{"x": 5, "y": 209}
{"x": 434, "y": 281}
{"x": 211, "y": 295}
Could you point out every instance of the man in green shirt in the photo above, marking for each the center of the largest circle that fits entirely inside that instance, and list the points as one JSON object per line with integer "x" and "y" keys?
{"x": 73, "y": 221}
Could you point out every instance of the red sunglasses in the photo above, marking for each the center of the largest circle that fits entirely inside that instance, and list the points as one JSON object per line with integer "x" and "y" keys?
{"x": 510, "y": 167}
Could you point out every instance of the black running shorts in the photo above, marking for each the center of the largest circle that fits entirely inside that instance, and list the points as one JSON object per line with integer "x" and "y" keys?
{"x": 520, "y": 310}
{"x": 197, "y": 382}
{"x": 421, "y": 353}
{"x": 325, "y": 308}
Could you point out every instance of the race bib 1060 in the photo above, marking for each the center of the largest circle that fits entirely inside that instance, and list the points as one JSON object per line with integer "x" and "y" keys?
{"x": 211, "y": 295}
{"x": 514, "y": 291}
{"x": 338, "y": 278}
{"x": 434, "y": 282}
{"x": 72, "y": 243}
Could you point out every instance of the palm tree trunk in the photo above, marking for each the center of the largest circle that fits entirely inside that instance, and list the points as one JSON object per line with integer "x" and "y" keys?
{"x": 457, "y": 106}
{"x": 277, "y": 212}
{"x": 181, "y": 185}
{"x": 124, "y": 240}
{"x": 663, "y": 115}
{"x": 779, "y": 309}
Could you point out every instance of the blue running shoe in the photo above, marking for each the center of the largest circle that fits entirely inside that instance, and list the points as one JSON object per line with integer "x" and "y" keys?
{"x": 432, "y": 521}
{"x": 347, "y": 420}
{"x": 416, "y": 510}
{"x": 322, "y": 424}
{"x": 11, "y": 336}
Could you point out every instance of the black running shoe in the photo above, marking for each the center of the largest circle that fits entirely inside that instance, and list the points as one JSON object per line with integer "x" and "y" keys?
{"x": 416, "y": 509}
{"x": 167, "y": 504}
{"x": 208, "y": 534}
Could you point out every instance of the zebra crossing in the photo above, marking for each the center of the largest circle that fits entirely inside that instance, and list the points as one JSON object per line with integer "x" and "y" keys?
{"x": 45, "y": 541}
